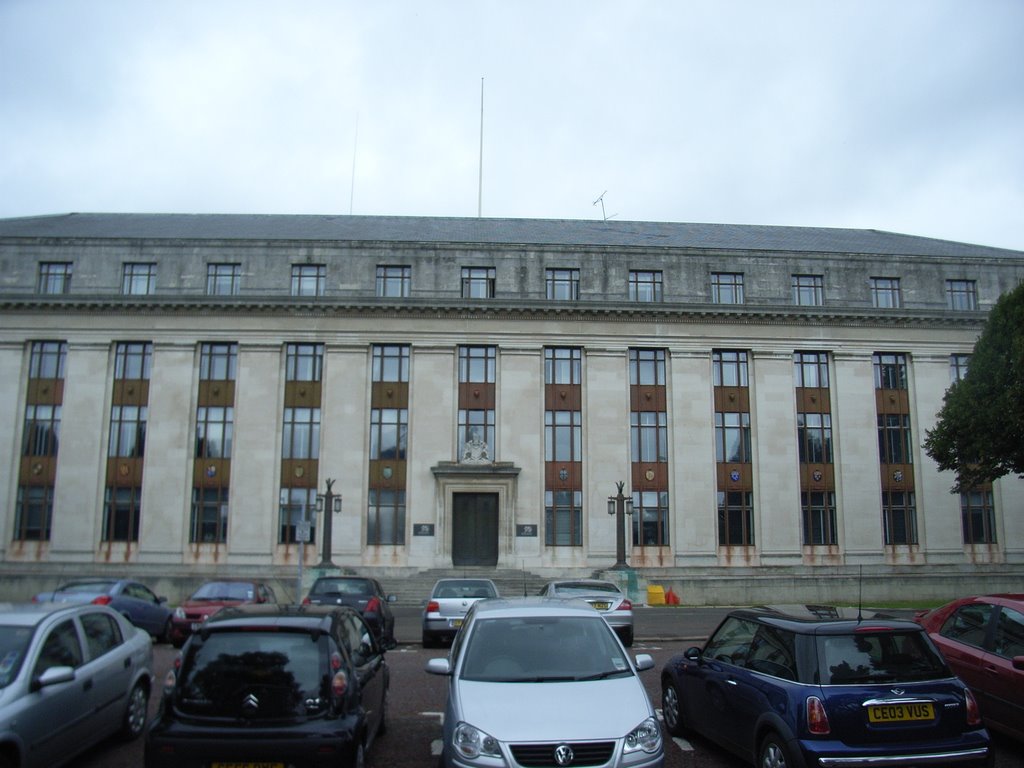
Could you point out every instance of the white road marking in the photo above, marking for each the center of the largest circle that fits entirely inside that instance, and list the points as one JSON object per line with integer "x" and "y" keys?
{"x": 683, "y": 744}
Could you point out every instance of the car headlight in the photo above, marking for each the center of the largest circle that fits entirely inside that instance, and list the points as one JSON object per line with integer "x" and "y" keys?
{"x": 646, "y": 736}
{"x": 471, "y": 742}
{"x": 179, "y": 613}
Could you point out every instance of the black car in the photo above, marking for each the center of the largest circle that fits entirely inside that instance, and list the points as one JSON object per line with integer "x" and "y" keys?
{"x": 299, "y": 686}
{"x": 365, "y": 595}
{"x": 813, "y": 685}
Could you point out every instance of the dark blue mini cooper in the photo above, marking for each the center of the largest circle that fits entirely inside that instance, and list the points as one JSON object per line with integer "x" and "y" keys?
{"x": 805, "y": 686}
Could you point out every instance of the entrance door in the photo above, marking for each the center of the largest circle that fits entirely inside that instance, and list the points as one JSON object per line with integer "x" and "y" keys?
{"x": 474, "y": 529}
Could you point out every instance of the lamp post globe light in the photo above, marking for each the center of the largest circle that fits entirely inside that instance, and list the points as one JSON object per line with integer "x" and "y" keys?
{"x": 329, "y": 502}
{"x": 620, "y": 506}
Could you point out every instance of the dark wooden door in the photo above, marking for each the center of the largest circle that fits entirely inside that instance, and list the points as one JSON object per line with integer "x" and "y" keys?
{"x": 475, "y": 529}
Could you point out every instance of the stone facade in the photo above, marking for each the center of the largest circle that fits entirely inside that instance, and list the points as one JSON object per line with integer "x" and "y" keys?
{"x": 686, "y": 266}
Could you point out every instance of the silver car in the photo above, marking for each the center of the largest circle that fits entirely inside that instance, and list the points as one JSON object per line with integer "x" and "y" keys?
{"x": 544, "y": 681}
{"x": 446, "y": 608}
{"x": 603, "y": 596}
{"x": 71, "y": 675}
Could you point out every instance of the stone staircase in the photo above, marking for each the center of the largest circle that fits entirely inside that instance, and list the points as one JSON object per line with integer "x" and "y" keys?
{"x": 414, "y": 588}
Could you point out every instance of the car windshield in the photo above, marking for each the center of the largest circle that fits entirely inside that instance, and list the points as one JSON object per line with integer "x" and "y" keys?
{"x": 254, "y": 674}
{"x": 878, "y": 656}
{"x": 342, "y": 587}
{"x": 465, "y": 588}
{"x": 576, "y": 588}
{"x": 224, "y": 590}
{"x": 87, "y": 586}
{"x": 542, "y": 649}
{"x": 13, "y": 645}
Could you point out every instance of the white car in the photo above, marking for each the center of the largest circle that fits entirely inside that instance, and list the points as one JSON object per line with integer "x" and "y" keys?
{"x": 450, "y": 600}
{"x": 71, "y": 675}
{"x": 603, "y": 596}
{"x": 544, "y": 681}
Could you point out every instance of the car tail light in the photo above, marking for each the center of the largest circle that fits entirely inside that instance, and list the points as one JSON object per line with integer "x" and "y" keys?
{"x": 306, "y": 601}
{"x": 101, "y": 600}
{"x": 373, "y": 605}
{"x": 817, "y": 719}
{"x": 433, "y": 607}
{"x": 625, "y": 605}
{"x": 973, "y": 711}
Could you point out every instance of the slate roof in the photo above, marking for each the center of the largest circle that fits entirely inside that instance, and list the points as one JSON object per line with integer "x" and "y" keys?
{"x": 538, "y": 232}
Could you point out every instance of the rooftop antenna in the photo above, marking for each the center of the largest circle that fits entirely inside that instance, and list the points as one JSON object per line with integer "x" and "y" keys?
{"x": 480, "y": 182}
{"x": 600, "y": 200}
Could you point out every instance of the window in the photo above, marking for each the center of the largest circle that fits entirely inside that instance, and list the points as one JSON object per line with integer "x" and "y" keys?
{"x": 729, "y": 368}
{"x": 562, "y": 365}
{"x": 958, "y": 367}
{"x": 209, "y": 524}
{"x": 297, "y": 505}
{"x": 61, "y": 648}
{"x": 47, "y": 360}
{"x": 308, "y": 279}
{"x": 650, "y": 519}
{"x": 732, "y": 438}
{"x": 563, "y": 284}
{"x": 301, "y": 433}
{"x": 646, "y": 367}
{"x": 102, "y": 633}
{"x": 885, "y": 293}
{"x": 735, "y": 518}
{"x": 394, "y": 282}
{"x": 218, "y": 362}
{"x": 128, "y": 430}
{"x": 563, "y": 518}
{"x": 649, "y": 436}
{"x": 138, "y": 279}
{"x": 727, "y": 287}
{"x": 54, "y": 277}
{"x": 810, "y": 369}
{"x": 223, "y": 279}
{"x": 386, "y": 521}
{"x": 477, "y": 365}
{"x": 476, "y": 425}
{"x": 389, "y": 429}
{"x": 305, "y": 362}
{"x": 563, "y": 436}
{"x": 1009, "y": 639}
{"x": 969, "y": 624}
{"x": 42, "y": 430}
{"x": 645, "y": 286}
{"x": 978, "y": 516}
{"x": 961, "y": 294}
{"x": 808, "y": 290}
{"x": 478, "y": 282}
{"x": 33, "y": 513}
{"x": 390, "y": 363}
{"x": 890, "y": 371}
{"x": 894, "y": 438}
{"x": 214, "y": 432}
{"x": 122, "y": 507}
{"x": 899, "y": 517}
{"x": 133, "y": 361}
{"x": 819, "y": 513}
{"x": 814, "y": 437}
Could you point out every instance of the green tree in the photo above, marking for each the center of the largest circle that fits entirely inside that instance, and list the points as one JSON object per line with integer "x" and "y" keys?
{"x": 980, "y": 429}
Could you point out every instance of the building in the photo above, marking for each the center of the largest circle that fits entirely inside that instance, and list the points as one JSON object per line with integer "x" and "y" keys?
{"x": 178, "y": 390}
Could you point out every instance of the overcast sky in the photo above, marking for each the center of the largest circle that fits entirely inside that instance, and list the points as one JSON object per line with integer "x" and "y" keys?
{"x": 904, "y": 116}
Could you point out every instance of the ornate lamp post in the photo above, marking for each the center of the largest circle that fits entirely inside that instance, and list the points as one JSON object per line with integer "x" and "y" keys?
{"x": 620, "y": 506}
{"x": 327, "y": 502}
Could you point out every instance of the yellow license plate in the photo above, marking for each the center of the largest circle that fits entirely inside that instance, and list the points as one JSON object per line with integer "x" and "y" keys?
{"x": 456, "y": 623}
{"x": 601, "y": 606}
{"x": 900, "y": 713}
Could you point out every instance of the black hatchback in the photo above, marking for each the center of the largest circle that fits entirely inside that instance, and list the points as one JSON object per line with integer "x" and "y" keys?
{"x": 275, "y": 686}
{"x": 817, "y": 686}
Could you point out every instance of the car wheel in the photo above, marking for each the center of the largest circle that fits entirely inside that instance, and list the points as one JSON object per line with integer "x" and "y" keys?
{"x": 773, "y": 753}
{"x": 135, "y": 715}
{"x": 627, "y": 638}
{"x": 359, "y": 756}
{"x": 672, "y": 708}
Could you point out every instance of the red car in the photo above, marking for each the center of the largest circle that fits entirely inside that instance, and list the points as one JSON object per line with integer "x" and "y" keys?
{"x": 982, "y": 639}
{"x": 210, "y": 598}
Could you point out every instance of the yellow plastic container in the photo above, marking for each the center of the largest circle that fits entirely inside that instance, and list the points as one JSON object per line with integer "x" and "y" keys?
{"x": 655, "y": 595}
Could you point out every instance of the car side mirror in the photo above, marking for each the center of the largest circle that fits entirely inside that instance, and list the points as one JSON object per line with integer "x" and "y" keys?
{"x": 644, "y": 661}
{"x": 439, "y": 667}
{"x": 53, "y": 676}
{"x": 692, "y": 654}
